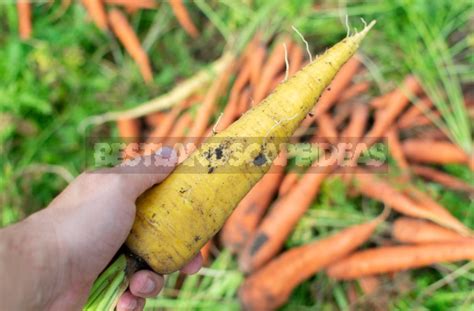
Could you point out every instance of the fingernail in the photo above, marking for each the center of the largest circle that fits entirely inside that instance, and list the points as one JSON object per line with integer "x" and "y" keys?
{"x": 132, "y": 304}
{"x": 166, "y": 152}
{"x": 149, "y": 286}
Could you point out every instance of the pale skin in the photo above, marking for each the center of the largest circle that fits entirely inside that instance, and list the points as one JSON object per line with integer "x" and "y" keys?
{"x": 50, "y": 260}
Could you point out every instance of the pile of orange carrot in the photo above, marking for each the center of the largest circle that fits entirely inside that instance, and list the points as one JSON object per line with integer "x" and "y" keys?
{"x": 423, "y": 232}
{"x": 109, "y": 15}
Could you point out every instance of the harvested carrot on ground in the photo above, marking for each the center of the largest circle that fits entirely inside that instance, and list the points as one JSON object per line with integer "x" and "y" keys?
{"x": 382, "y": 101}
{"x": 410, "y": 116}
{"x": 442, "y": 178}
{"x": 134, "y": 4}
{"x": 127, "y": 36}
{"x": 165, "y": 126}
{"x": 178, "y": 133}
{"x": 327, "y": 128}
{"x": 155, "y": 119}
{"x": 244, "y": 101}
{"x": 96, "y": 10}
{"x": 177, "y": 217}
{"x": 426, "y": 202}
{"x": 295, "y": 59}
{"x": 271, "y": 286}
{"x": 243, "y": 222}
{"x": 282, "y": 218}
{"x": 129, "y": 129}
{"x": 397, "y": 101}
{"x": 337, "y": 86}
{"x": 416, "y": 231}
{"x": 232, "y": 109}
{"x": 255, "y": 62}
{"x": 24, "y": 18}
{"x": 382, "y": 191}
{"x": 274, "y": 64}
{"x": 355, "y": 130}
{"x": 208, "y": 106}
{"x": 398, "y": 258}
{"x": 354, "y": 90}
{"x": 395, "y": 149}
{"x": 287, "y": 183}
{"x": 181, "y": 13}
{"x": 433, "y": 152}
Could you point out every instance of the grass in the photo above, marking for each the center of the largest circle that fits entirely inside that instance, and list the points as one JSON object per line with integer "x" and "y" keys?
{"x": 70, "y": 71}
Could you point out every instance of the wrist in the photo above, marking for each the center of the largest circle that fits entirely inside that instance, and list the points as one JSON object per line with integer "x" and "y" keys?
{"x": 28, "y": 257}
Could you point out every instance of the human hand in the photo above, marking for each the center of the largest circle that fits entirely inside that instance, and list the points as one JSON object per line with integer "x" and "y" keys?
{"x": 54, "y": 256}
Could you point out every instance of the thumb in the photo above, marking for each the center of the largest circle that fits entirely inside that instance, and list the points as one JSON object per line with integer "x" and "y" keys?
{"x": 144, "y": 172}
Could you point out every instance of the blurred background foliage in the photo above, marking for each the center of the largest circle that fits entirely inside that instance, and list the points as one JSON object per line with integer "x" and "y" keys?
{"x": 70, "y": 70}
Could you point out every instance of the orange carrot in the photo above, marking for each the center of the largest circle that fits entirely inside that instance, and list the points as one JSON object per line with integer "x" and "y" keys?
{"x": 244, "y": 102}
{"x": 395, "y": 149}
{"x": 232, "y": 111}
{"x": 287, "y": 183}
{"x": 178, "y": 132}
{"x": 179, "y": 10}
{"x": 422, "y": 120}
{"x": 337, "y": 86}
{"x": 96, "y": 10}
{"x": 271, "y": 286}
{"x": 24, "y": 18}
{"x": 295, "y": 59}
{"x": 426, "y": 202}
{"x": 155, "y": 119}
{"x": 381, "y": 101}
{"x": 395, "y": 105}
{"x": 208, "y": 105}
{"x": 255, "y": 62}
{"x": 167, "y": 123}
{"x": 135, "y": 4}
{"x": 410, "y": 116}
{"x": 441, "y": 178}
{"x": 354, "y": 90}
{"x": 380, "y": 190}
{"x": 415, "y": 231}
{"x": 274, "y": 64}
{"x": 127, "y": 36}
{"x": 327, "y": 128}
{"x": 282, "y": 218}
{"x": 206, "y": 252}
{"x": 433, "y": 152}
{"x": 397, "y": 258}
{"x": 129, "y": 129}
{"x": 243, "y": 221}
{"x": 356, "y": 127}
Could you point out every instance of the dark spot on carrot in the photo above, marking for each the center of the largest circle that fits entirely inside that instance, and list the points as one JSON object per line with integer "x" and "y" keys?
{"x": 219, "y": 153}
{"x": 260, "y": 159}
{"x": 258, "y": 243}
{"x": 328, "y": 88}
{"x": 311, "y": 114}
